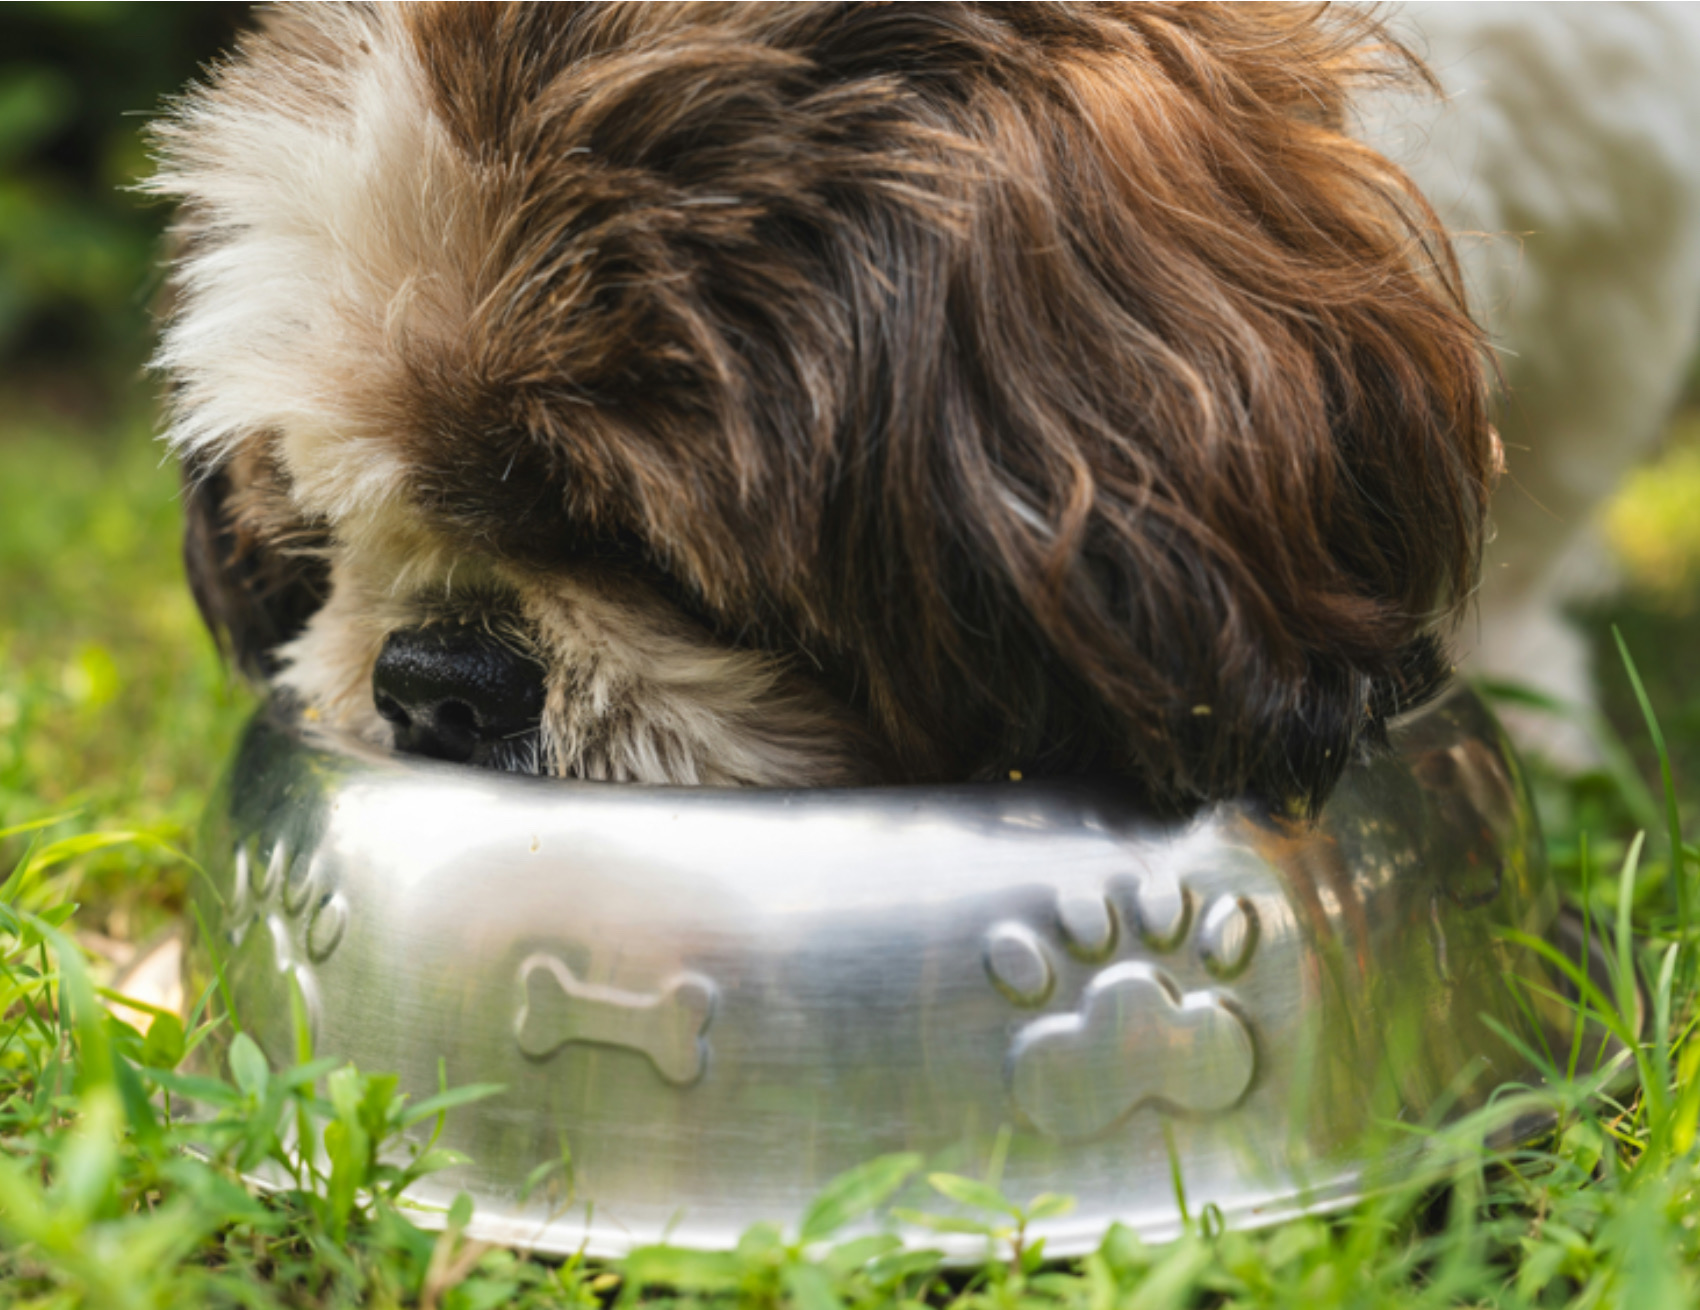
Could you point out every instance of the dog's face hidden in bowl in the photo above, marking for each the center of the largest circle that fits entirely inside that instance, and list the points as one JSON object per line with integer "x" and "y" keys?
{"x": 821, "y": 394}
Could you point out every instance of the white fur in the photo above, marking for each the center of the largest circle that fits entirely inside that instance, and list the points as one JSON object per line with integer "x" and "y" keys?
{"x": 343, "y": 231}
{"x": 633, "y": 693}
{"x": 687, "y": 711}
{"x": 1566, "y": 156}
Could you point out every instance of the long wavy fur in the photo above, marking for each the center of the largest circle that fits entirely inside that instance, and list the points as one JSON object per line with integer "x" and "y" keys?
{"x": 1054, "y": 387}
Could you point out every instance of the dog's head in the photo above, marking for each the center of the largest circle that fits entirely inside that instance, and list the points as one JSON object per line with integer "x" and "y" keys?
{"x": 813, "y": 393}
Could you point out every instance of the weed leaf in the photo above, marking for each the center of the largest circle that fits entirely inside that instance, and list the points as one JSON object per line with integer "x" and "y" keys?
{"x": 856, "y": 1192}
{"x": 248, "y": 1065}
{"x": 973, "y": 1194}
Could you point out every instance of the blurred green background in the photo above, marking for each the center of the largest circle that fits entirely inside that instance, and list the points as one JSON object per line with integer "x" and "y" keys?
{"x": 111, "y": 697}
{"x": 77, "y": 251}
{"x": 112, "y": 701}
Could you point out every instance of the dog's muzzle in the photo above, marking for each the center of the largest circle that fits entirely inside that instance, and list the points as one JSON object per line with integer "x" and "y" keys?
{"x": 457, "y": 693}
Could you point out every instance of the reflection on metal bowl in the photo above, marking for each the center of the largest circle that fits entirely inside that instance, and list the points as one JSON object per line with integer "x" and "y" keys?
{"x": 717, "y": 1000}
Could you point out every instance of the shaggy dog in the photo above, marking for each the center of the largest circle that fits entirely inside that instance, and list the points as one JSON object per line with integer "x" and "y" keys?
{"x": 814, "y": 394}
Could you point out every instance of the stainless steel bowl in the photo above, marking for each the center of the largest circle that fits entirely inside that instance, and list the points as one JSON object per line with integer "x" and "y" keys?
{"x": 717, "y": 1000}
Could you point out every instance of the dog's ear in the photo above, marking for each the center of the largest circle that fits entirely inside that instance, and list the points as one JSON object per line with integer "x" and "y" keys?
{"x": 257, "y": 573}
{"x": 1197, "y": 475}
{"x": 256, "y": 580}
{"x": 1221, "y": 451}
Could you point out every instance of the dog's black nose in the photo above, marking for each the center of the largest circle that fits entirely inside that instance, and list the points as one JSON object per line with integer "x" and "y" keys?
{"x": 456, "y": 692}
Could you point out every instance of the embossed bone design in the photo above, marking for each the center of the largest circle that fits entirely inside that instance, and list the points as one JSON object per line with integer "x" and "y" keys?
{"x": 667, "y": 1026}
{"x": 1135, "y": 1038}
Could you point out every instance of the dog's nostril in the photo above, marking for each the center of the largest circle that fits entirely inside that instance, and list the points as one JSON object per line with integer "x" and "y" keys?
{"x": 391, "y": 709}
{"x": 458, "y": 715}
{"x": 455, "y": 692}
{"x": 457, "y": 731}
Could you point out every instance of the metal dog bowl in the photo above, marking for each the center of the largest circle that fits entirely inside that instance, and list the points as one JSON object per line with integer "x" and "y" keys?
{"x": 717, "y": 1000}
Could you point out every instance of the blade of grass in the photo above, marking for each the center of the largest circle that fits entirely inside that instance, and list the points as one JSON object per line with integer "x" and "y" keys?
{"x": 1672, "y": 817}
{"x": 1614, "y": 753}
{"x": 1589, "y": 991}
{"x": 217, "y": 958}
{"x": 1624, "y": 985}
{"x": 1586, "y": 870}
{"x": 35, "y": 824}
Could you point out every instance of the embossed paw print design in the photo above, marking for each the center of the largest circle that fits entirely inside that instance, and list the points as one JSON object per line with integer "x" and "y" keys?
{"x": 304, "y": 918}
{"x": 1134, "y": 1037}
{"x": 667, "y": 1026}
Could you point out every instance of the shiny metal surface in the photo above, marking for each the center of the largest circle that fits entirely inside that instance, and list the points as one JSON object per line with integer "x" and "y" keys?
{"x": 718, "y": 1000}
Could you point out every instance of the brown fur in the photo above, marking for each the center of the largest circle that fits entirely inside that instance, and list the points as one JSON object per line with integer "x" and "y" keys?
{"x": 256, "y": 571}
{"x": 1053, "y": 387}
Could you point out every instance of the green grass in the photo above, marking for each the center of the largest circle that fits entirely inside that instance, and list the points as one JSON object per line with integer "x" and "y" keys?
{"x": 115, "y": 712}
{"x": 112, "y": 700}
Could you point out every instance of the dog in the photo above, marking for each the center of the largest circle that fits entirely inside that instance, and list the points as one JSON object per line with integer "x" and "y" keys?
{"x": 810, "y": 395}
